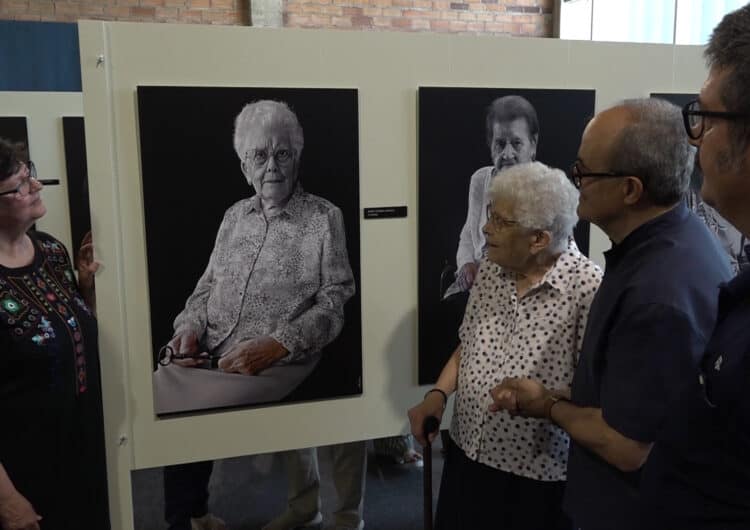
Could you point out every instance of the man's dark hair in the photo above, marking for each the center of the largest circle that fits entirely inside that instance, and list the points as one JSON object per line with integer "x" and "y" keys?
{"x": 509, "y": 108}
{"x": 12, "y": 155}
{"x": 729, "y": 48}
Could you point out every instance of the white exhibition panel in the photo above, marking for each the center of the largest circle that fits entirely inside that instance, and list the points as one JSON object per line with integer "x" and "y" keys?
{"x": 44, "y": 112}
{"x": 387, "y": 69}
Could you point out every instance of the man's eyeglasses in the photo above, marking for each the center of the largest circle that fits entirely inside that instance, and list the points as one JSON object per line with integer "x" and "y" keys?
{"x": 260, "y": 157}
{"x": 576, "y": 173}
{"x": 692, "y": 116}
{"x": 499, "y": 222}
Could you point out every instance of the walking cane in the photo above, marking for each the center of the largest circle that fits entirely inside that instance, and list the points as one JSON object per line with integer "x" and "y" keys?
{"x": 431, "y": 424}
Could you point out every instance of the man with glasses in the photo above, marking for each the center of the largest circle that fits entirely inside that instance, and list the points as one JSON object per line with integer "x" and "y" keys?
{"x": 698, "y": 474}
{"x": 650, "y": 319}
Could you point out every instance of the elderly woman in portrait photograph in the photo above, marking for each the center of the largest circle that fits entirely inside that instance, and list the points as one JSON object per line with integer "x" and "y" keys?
{"x": 271, "y": 298}
{"x": 526, "y": 314}
{"x": 273, "y": 293}
{"x": 52, "y": 464}
{"x": 512, "y": 130}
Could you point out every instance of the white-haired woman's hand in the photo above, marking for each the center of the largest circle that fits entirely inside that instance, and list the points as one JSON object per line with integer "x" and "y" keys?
{"x": 433, "y": 404}
{"x": 252, "y": 356}
{"x": 185, "y": 342}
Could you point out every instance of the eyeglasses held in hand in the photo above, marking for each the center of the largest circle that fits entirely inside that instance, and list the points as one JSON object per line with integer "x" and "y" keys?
{"x": 167, "y": 355}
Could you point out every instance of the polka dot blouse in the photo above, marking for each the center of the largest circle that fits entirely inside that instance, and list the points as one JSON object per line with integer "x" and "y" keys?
{"x": 538, "y": 336}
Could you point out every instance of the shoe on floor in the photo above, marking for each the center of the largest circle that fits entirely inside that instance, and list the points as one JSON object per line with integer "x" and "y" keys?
{"x": 207, "y": 522}
{"x": 292, "y": 521}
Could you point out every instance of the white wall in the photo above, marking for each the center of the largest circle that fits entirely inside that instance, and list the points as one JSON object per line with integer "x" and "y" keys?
{"x": 387, "y": 68}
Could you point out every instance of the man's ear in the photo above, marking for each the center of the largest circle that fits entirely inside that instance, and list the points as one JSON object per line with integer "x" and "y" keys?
{"x": 633, "y": 190}
{"x": 540, "y": 240}
{"x": 534, "y": 143}
{"x": 244, "y": 167}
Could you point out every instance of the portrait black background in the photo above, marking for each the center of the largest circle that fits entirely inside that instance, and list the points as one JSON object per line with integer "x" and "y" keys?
{"x": 191, "y": 175}
{"x": 74, "y": 139}
{"x": 452, "y": 146}
{"x": 13, "y": 128}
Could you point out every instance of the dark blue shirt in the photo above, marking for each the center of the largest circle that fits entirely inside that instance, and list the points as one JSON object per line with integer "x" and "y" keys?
{"x": 698, "y": 473}
{"x": 647, "y": 328}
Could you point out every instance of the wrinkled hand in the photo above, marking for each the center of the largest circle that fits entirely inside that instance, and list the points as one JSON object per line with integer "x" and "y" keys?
{"x": 522, "y": 397}
{"x": 16, "y": 513}
{"x": 250, "y": 357}
{"x": 466, "y": 275}
{"x": 86, "y": 265}
{"x": 432, "y": 405}
{"x": 186, "y": 342}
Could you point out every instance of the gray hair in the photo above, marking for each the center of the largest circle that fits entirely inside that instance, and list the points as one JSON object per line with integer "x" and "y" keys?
{"x": 510, "y": 108}
{"x": 729, "y": 48}
{"x": 654, "y": 147}
{"x": 259, "y": 114}
{"x": 543, "y": 198}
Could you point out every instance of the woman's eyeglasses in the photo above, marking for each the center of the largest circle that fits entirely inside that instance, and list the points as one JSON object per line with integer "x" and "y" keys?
{"x": 24, "y": 187}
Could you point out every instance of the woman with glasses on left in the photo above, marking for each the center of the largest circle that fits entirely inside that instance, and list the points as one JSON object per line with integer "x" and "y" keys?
{"x": 52, "y": 464}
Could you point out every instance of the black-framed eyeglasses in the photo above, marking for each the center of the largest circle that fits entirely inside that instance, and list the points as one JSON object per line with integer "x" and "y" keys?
{"x": 260, "y": 157}
{"x": 167, "y": 355}
{"x": 576, "y": 173}
{"x": 498, "y": 222}
{"x": 24, "y": 187}
{"x": 693, "y": 117}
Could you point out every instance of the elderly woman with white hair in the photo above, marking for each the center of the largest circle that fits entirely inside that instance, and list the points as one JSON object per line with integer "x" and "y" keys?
{"x": 525, "y": 316}
{"x": 271, "y": 298}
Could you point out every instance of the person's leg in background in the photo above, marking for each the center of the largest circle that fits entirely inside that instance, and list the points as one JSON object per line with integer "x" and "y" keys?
{"x": 186, "y": 497}
{"x": 349, "y": 468}
{"x": 303, "y": 492}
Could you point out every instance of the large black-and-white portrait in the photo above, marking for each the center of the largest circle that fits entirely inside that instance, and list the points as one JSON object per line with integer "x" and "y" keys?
{"x": 251, "y": 200}
{"x": 467, "y": 136}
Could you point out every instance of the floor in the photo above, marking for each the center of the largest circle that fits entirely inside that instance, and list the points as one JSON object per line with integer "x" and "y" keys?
{"x": 249, "y": 491}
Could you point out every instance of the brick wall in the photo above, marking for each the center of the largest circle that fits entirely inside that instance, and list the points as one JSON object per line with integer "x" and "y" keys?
{"x": 234, "y": 12}
{"x": 500, "y": 17}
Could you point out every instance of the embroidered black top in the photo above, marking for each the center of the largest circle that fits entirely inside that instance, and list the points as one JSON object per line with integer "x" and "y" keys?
{"x": 52, "y": 441}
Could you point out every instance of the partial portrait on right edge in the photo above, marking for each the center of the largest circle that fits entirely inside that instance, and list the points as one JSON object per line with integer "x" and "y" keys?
{"x": 467, "y": 136}
{"x": 731, "y": 239}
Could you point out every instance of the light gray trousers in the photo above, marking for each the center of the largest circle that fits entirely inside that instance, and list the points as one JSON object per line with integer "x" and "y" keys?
{"x": 349, "y": 466}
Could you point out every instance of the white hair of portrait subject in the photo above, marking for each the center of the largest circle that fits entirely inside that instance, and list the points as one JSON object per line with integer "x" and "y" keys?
{"x": 258, "y": 115}
{"x": 543, "y": 199}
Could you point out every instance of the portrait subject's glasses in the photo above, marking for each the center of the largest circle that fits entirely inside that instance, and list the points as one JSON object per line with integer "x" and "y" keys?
{"x": 167, "y": 355}
{"x": 576, "y": 173}
{"x": 499, "y": 222}
{"x": 693, "y": 117}
{"x": 260, "y": 157}
{"x": 24, "y": 187}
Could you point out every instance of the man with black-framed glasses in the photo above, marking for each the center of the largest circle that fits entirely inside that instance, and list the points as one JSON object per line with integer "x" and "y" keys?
{"x": 698, "y": 474}
{"x": 650, "y": 319}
